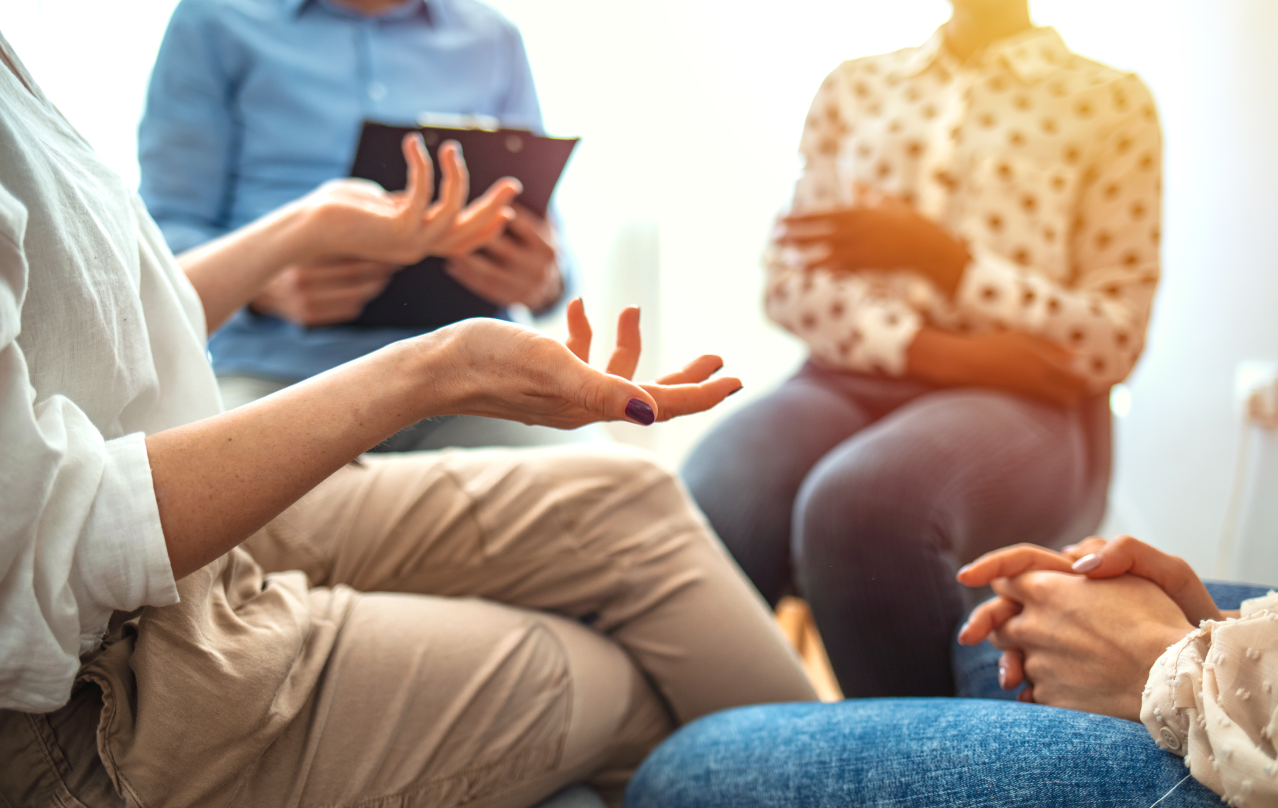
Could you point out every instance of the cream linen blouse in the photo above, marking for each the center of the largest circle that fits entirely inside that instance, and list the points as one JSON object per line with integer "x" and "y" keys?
{"x": 1210, "y": 699}
{"x": 101, "y": 342}
{"x": 1045, "y": 163}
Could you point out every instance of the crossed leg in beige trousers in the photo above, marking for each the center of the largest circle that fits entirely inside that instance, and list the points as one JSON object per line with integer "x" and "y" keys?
{"x": 532, "y": 619}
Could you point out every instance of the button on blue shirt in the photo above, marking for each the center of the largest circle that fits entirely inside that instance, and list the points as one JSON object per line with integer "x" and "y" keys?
{"x": 254, "y": 103}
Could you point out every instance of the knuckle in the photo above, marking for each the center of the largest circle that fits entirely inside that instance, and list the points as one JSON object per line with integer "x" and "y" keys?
{"x": 1124, "y": 543}
{"x": 1033, "y": 667}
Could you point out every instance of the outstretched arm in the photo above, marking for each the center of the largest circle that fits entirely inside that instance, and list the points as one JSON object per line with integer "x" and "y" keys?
{"x": 219, "y": 480}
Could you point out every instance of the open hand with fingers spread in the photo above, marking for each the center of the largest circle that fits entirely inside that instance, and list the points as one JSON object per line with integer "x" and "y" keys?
{"x": 357, "y": 235}
{"x": 502, "y": 370}
{"x": 358, "y": 219}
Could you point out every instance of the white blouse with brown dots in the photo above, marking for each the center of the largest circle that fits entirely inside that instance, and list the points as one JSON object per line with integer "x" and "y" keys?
{"x": 1045, "y": 163}
{"x": 1210, "y": 699}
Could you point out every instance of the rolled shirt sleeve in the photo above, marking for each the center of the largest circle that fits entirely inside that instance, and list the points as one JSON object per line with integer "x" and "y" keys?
{"x": 80, "y": 530}
{"x": 1210, "y": 699}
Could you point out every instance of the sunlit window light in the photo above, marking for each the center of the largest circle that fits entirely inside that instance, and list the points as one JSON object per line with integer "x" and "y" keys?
{"x": 1120, "y": 400}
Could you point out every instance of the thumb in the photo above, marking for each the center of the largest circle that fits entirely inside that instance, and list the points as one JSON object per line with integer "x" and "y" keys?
{"x": 611, "y": 398}
{"x": 1127, "y": 555}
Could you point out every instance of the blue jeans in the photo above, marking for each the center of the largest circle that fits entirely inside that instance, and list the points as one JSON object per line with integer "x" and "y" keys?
{"x": 920, "y": 753}
{"x": 867, "y": 493}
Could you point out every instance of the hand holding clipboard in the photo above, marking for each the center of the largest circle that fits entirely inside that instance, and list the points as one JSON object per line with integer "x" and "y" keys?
{"x": 424, "y": 296}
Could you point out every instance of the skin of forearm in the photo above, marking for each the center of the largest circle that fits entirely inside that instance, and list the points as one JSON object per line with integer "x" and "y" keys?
{"x": 939, "y": 357}
{"x": 947, "y": 258}
{"x": 230, "y": 271}
{"x": 256, "y": 460}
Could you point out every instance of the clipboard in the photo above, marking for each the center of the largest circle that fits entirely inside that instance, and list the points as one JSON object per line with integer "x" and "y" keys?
{"x": 423, "y": 296}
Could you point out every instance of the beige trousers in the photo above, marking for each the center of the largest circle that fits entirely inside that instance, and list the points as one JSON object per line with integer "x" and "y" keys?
{"x": 474, "y": 628}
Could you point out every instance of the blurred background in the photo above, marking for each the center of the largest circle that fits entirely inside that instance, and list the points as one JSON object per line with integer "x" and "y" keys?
{"x": 690, "y": 114}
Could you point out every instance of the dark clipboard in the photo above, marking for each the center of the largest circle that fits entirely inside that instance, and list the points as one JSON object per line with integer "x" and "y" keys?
{"x": 424, "y": 296}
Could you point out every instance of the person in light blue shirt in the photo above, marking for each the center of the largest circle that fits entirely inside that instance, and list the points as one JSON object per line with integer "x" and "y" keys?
{"x": 254, "y": 103}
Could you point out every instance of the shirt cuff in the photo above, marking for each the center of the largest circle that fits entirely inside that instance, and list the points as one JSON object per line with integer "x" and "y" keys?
{"x": 1264, "y": 603}
{"x": 1178, "y": 670}
{"x": 889, "y": 332}
{"x": 122, "y": 560}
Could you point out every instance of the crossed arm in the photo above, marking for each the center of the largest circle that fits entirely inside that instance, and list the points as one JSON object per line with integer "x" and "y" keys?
{"x": 219, "y": 480}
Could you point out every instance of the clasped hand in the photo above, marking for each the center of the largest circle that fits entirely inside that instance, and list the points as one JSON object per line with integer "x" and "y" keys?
{"x": 1082, "y": 628}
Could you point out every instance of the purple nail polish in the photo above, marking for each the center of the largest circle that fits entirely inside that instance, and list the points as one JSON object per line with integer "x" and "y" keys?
{"x": 639, "y": 412}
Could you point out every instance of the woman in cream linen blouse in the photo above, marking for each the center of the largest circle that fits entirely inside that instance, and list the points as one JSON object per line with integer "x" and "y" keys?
{"x": 147, "y": 658}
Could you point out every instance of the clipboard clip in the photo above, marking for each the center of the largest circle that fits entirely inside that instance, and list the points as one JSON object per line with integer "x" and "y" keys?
{"x": 449, "y": 120}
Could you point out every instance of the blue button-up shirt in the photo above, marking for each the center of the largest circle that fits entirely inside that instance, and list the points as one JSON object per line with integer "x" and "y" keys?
{"x": 254, "y": 103}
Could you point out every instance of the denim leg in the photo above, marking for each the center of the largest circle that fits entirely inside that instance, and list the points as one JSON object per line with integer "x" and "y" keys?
{"x": 882, "y": 523}
{"x": 976, "y": 673}
{"x": 1230, "y": 596}
{"x": 976, "y": 667}
{"x": 745, "y": 473}
{"x": 913, "y": 753}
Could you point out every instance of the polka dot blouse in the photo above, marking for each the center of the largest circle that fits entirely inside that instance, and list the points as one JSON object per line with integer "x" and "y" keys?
{"x": 1045, "y": 163}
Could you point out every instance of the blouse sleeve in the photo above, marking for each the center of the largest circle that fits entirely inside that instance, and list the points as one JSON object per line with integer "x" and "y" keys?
{"x": 1210, "y": 699}
{"x": 80, "y": 529}
{"x": 850, "y": 321}
{"x": 1103, "y": 311}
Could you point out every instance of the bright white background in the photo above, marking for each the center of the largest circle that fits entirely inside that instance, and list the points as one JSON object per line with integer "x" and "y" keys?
{"x": 690, "y": 112}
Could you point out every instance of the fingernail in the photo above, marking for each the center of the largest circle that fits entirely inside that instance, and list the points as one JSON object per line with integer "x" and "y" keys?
{"x": 964, "y": 568}
{"x": 639, "y": 412}
{"x": 734, "y": 392}
{"x": 1002, "y": 677}
{"x": 1069, "y": 548}
{"x": 1087, "y": 563}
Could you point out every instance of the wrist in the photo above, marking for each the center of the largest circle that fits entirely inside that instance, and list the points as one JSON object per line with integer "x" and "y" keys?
{"x": 300, "y": 232}
{"x": 427, "y": 375}
{"x": 939, "y": 356}
{"x": 949, "y": 261}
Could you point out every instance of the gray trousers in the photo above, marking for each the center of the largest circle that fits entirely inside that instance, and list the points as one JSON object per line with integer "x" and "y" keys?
{"x": 866, "y": 494}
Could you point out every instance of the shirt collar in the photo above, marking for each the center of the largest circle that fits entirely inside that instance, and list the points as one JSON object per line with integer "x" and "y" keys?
{"x": 1033, "y": 54}
{"x": 426, "y": 8}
